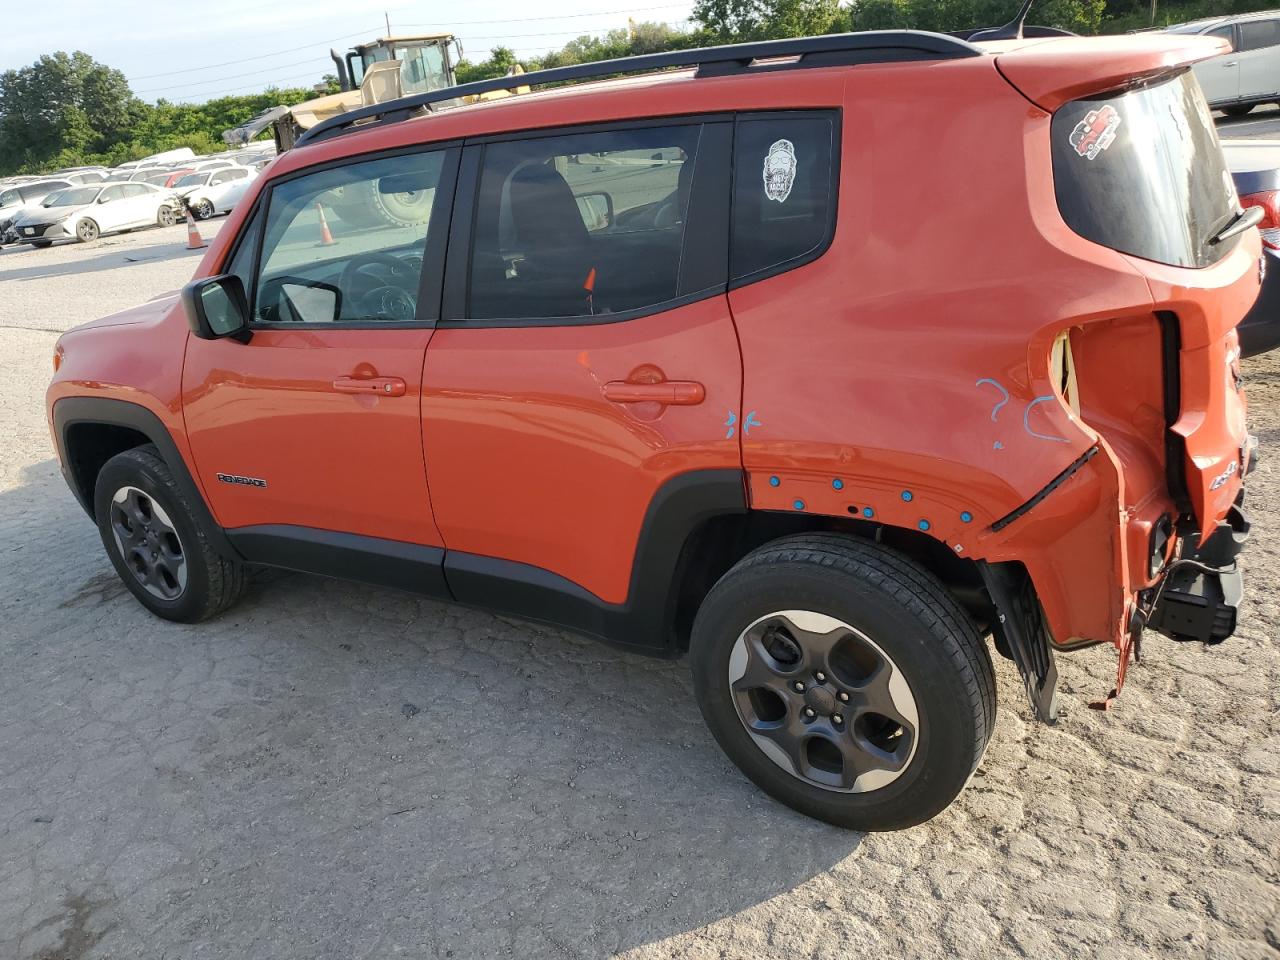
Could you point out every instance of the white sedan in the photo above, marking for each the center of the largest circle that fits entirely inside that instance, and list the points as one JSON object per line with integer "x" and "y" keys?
{"x": 209, "y": 192}
{"x": 85, "y": 213}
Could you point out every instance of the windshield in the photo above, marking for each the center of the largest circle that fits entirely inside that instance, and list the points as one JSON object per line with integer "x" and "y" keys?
{"x": 71, "y": 198}
{"x": 1142, "y": 172}
{"x": 192, "y": 180}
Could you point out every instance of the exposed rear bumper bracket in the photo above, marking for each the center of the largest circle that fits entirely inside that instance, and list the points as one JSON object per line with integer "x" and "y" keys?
{"x": 1020, "y": 628}
{"x": 1201, "y": 593}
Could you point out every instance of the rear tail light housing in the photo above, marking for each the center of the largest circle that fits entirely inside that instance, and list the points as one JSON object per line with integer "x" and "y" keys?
{"x": 1269, "y": 201}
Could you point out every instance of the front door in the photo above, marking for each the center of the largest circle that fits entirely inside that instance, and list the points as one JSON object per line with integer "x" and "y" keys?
{"x": 309, "y": 434}
{"x": 1259, "y": 59}
{"x": 1220, "y": 76}
{"x": 587, "y": 357}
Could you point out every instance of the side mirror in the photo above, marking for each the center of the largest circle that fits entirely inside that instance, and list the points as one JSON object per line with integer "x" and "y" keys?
{"x": 596, "y": 210}
{"x": 217, "y": 307}
{"x": 104, "y": 199}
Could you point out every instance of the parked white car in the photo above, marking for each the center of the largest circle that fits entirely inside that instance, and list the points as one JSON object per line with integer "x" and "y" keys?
{"x": 85, "y": 213}
{"x": 16, "y": 199}
{"x": 1238, "y": 81}
{"x": 210, "y": 192}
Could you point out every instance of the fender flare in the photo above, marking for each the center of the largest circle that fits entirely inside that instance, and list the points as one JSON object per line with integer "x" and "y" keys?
{"x": 73, "y": 411}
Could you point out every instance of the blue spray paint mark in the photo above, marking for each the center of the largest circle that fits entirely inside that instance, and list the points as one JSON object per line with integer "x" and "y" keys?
{"x": 837, "y": 484}
{"x": 774, "y": 481}
{"x": 748, "y": 422}
{"x": 908, "y": 496}
{"x": 868, "y": 512}
{"x": 1026, "y": 421}
{"x": 997, "y": 445}
{"x": 966, "y": 517}
{"x": 1003, "y": 391}
{"x": 923, "y": 524}
{"x": 733, "y": 419}
{"x": 799, "y": 504}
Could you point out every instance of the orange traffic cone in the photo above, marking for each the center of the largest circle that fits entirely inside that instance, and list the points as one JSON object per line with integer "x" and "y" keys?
{"x": 194, "y": 240}
{"x": 326, "y": 238}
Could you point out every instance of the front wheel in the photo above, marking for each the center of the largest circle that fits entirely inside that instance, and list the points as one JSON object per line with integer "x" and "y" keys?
{"x": 844, "y": 680}
{"x": 41, "y": 244}
{"x": 203, "y": 209}
{"x": 166, "y": 217}
{"x": 87, "y": 231}
{"x": 156, "y": 543}
{"x": 1240, "y": 111}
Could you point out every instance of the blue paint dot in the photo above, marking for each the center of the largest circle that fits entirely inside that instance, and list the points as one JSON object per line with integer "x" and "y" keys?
{"x": 774, "y": 481}
{"x": 923, "y": 524}
{"x": 907, "y": 496}
{"x": 837, "y": 483}
{"x": 868, "y": 512}
{"x": 799, "y": 504}
{"x": 966, "y": 517}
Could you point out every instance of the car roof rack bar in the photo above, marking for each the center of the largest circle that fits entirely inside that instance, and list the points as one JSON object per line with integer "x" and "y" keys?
{"x": 872, "y": 46}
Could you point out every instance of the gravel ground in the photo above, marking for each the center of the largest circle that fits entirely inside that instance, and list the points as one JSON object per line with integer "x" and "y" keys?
{"x": 336, "y": 771}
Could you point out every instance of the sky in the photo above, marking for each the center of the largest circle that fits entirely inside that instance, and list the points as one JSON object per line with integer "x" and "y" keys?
{"x": 190, "y": 52}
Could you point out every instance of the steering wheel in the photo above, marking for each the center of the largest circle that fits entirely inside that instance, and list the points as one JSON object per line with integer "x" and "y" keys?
{"x": 394, "y": 300}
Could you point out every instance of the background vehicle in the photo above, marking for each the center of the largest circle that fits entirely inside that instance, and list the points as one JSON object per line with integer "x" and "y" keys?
{"x": 221, "y": 192}
{"x": 1255, "y": 168}
{"x": 368, "y": 73}
{"x": 1238, "y": 81}
{"x": 15, "y": 200}
{"x": 166, "y": 177}
{"x": 85, "y": 213}
{"x": 214, "y": 187}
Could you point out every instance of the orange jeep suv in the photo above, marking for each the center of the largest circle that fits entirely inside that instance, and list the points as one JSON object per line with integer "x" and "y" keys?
{"x": 818, "y": 360}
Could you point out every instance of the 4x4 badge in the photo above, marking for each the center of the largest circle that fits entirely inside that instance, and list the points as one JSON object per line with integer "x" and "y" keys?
{"x": 779, "y": 170}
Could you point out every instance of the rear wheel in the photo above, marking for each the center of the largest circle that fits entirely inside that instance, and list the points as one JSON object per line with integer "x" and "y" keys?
{"x": 87, "y": 231}
{"x": 156, "y": 543}
{"x": 844, "y": 680}
{"x": 1239, "y": 111}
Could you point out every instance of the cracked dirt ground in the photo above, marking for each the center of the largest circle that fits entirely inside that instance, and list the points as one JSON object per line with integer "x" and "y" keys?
{"x": 256, "y": 787}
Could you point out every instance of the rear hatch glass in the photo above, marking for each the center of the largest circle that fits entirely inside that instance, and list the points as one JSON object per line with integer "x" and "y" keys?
{"x": 1141, "y": 171}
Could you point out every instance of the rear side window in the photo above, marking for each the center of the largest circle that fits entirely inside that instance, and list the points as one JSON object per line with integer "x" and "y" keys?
{"x": 1142, "y": 172}
{"x": 783, "y": 192}
{"x": 581, "y": 225}
{"x": 1256, "y": 34}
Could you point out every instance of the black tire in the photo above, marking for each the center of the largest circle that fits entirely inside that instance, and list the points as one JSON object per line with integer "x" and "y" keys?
{"x": 87, "y": 230}
{"x": 909, "y": 616}
{"x": 166, "y": 216}
{"x": 212, "y": 583}
{"x": 1241, "y": 111}
{"x": 203, "y": 209}
{"x": 41, "y": 244}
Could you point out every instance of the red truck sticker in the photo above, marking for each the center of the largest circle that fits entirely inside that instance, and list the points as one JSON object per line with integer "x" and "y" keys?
{"x": 1096, "y": 131}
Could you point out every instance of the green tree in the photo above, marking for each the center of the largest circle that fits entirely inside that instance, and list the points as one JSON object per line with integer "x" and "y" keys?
{"x": 63, "y": 103}
{"x": 729, "y": 21}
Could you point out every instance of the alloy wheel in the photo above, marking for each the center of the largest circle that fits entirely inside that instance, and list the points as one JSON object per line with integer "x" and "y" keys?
{"x": 87, "y": 231}
{"x": 203, "y": 210}
{"x": 148, "y": 543}
{"x": 823, "y": 701}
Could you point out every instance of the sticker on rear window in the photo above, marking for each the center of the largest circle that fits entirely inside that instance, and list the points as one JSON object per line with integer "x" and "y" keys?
{"x": 1096, "y": 131}
{"x": 779, "y": 170}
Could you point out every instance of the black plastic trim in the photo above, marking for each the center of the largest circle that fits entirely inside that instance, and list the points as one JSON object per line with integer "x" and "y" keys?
{"x": 414, "y": 567}
{"x": 1175, "y": 447}
{"x": 873, "y": 45}
{"x": 70, "y": 411}
{"x": 1051, "y": 486}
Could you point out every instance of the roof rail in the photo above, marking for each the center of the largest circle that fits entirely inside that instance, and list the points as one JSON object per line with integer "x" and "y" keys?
{"x": 841, "y": 49}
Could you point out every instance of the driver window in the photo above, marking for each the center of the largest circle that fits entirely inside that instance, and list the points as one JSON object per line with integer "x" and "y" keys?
{"x": 346, "y": 244}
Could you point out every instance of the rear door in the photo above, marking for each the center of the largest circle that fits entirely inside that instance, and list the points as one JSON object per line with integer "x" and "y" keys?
{"x": 307, "y": 438}
{"x": 586, "y": 358}
{"x": 1259, "y": 55}
{"x": 1220, "y": 76}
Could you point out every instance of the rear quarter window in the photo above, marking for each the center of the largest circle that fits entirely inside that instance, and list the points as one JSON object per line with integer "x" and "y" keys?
{"x": 783, "y": 192}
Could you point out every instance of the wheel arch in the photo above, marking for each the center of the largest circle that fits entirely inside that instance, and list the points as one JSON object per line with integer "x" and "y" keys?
{"x": 89, "y": 431}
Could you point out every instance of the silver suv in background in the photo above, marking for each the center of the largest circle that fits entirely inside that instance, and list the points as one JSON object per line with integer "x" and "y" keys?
{"x": 1238, "y": 81}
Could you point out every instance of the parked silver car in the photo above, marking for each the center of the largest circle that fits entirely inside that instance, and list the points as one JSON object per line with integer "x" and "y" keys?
{"x": 1238, "y": 81}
